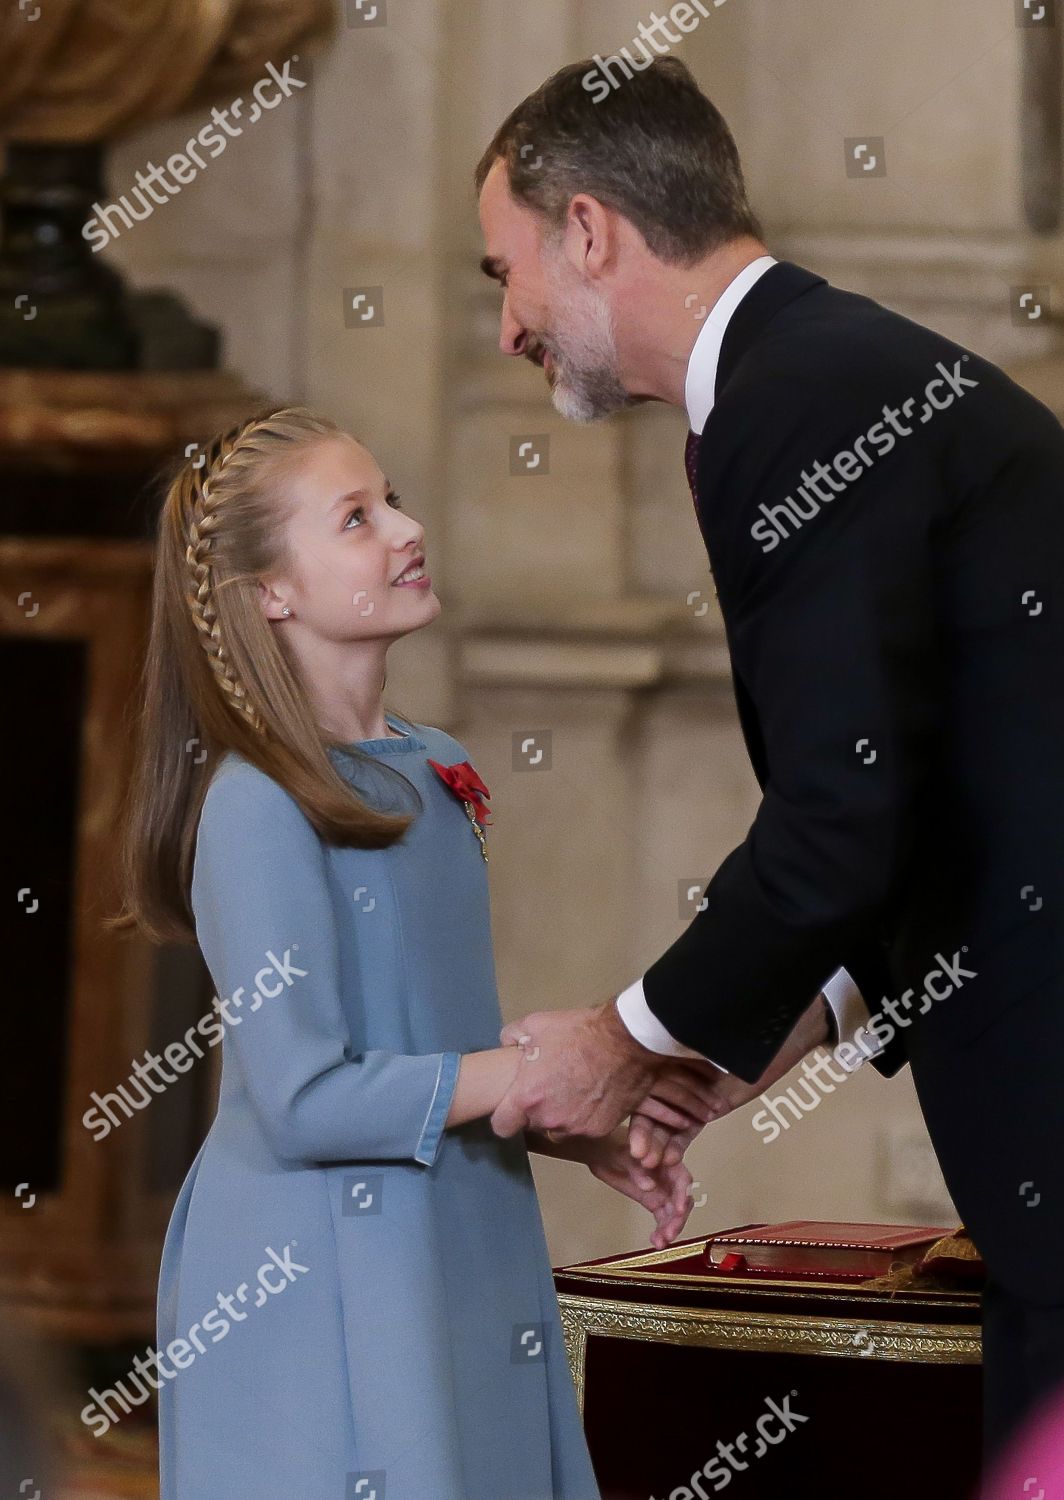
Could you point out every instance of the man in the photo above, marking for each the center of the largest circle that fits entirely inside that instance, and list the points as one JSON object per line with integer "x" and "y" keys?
{"x": 882, "y": 510}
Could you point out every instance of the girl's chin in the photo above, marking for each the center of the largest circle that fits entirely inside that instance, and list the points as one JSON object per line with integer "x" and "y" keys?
{"x": 424, "y": 601}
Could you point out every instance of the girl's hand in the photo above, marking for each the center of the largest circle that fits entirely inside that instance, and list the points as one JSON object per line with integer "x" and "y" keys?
{"x": 662, "y": 1189}
{"x": 685, "y": 1097}
{"x": 656, "y": 1145}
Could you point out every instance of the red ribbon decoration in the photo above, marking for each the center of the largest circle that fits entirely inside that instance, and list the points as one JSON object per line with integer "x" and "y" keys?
{"x": 466, "y": 785}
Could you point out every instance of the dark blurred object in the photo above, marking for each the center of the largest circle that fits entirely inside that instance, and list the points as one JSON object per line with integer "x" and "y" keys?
{"x": 60, "y": 304}
{"x": 82, "y": 1216}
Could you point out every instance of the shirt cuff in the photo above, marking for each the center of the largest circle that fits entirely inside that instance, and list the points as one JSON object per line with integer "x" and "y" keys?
{"x": 851, "y": 1018}
{"x": 644, "y": 1025}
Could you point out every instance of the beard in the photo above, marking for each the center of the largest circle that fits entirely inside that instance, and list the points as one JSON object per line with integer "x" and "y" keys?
{"x": 585, "y": 382}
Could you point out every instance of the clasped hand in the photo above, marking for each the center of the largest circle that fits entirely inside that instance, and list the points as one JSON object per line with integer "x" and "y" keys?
{"x": 583, "y": 1074}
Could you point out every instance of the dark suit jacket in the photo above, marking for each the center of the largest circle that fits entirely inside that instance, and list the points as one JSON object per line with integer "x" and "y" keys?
{"x": 898, "y": 660}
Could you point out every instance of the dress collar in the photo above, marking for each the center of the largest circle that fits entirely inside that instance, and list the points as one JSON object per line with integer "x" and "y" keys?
{"x": 387, "y": 744}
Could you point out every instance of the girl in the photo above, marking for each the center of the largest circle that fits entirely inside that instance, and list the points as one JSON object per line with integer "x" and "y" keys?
{"x": 355, "y": 1297}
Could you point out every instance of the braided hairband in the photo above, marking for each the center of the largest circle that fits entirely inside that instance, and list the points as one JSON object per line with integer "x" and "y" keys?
{"x": 204, "y": 615}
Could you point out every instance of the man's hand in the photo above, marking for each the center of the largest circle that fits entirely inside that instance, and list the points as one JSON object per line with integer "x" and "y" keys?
{"x": 584, "y": 1072}
{"x": 654, "y": 1142}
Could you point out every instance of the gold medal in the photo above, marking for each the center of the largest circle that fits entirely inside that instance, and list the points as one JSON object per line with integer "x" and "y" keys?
{"x": 472, "y": 816}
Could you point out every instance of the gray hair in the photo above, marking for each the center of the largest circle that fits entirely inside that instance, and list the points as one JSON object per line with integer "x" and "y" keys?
{"x": 652, "y": 147}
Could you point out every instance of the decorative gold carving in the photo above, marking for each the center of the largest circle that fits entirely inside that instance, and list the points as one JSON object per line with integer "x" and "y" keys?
{"x": 795, "y": 1333}
{"x": 83, "y": 412}
{"x": 87, "y": 70}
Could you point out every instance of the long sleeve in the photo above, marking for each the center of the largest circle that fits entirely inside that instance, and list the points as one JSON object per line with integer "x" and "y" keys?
{"x": 266, "y": 925}
{"x": 832, "y": 633}
{"x": 844, "y": 1000}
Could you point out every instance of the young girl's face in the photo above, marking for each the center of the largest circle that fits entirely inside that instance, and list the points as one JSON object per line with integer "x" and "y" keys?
{"x": 353, "y": 549}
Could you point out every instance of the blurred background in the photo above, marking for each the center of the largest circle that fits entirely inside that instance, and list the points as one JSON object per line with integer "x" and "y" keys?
{"x": 328, "y": 253}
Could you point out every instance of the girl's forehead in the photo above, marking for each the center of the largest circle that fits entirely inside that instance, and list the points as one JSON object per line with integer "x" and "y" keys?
{"x": 338, "y": 460}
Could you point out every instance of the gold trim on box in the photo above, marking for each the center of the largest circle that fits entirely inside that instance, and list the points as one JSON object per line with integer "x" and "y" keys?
{"x": 796, "y": 1333}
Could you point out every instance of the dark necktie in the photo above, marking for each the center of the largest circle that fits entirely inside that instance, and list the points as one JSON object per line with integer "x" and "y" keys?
{"x": 690, "y": 458}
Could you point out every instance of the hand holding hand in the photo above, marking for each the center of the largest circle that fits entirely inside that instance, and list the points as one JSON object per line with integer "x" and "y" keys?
{"x": 582, "y": 1074}
{"x": 654, "y": 1137}
{"x": 686, "y": 1095}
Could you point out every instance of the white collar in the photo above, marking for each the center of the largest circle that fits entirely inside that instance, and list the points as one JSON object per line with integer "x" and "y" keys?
{"x": 699, "y": 391}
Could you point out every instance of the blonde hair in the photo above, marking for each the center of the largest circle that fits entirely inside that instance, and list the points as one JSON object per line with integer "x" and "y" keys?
{"x": 217, "y": 678}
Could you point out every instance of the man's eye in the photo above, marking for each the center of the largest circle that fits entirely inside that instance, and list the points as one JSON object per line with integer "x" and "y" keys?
{"x": 359, "y": 512}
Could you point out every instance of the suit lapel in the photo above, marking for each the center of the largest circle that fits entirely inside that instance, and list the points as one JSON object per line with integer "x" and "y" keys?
{"x": 781, "y": 284}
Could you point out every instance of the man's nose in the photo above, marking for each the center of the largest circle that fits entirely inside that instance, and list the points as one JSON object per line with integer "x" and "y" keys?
{"x": 513, "y": 336}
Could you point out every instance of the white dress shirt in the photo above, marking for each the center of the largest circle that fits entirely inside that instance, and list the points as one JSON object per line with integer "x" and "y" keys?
{"x": 851, "y": 1013}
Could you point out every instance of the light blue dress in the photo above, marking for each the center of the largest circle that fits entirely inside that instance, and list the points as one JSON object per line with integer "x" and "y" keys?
{"x": 364, "y": 1298}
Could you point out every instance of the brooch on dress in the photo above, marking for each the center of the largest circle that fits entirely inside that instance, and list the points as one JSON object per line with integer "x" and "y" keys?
{"x": 467, "y": 786}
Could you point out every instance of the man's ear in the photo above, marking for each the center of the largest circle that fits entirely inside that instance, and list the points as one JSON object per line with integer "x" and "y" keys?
{"x": 591, "y": 234}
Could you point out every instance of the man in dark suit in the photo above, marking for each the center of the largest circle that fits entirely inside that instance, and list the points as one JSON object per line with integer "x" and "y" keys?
{"x": 883, "y": 512}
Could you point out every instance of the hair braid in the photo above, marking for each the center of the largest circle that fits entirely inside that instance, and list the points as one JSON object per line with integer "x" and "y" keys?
{"x": 203, "y": 521}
